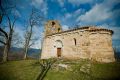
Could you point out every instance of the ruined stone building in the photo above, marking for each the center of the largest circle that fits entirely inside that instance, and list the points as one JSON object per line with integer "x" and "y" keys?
{"x": 87, "y": 42}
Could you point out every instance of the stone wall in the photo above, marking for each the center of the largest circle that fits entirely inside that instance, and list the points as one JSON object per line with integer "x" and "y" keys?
{"x": 80, "y": 43}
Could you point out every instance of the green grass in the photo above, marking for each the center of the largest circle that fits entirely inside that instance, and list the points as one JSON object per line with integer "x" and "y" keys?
{"x": 106, "y": 71}
{"x": 29, "y": 70}
{"x": 98, "y": 71}
{"x": 19, "y": 70}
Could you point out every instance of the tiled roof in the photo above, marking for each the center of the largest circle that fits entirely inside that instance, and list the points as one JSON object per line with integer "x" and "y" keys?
{"x": 88, "y": 28}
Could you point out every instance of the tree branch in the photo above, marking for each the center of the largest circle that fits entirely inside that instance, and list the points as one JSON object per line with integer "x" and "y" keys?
{"x": 1, "y": 30}
{"x": 9, "y": 22}
{"x": 13, "y": 23}
{"x": 2, "y": 42}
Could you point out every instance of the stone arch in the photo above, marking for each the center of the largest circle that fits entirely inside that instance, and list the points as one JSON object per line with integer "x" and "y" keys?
{"x": 58, "y": 46}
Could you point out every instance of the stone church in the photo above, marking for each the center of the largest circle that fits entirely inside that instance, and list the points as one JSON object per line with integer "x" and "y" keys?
{"x": 88, "y": 42}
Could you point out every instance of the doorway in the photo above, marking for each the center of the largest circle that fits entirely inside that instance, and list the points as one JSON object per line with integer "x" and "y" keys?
{"x": 58, "y": 52}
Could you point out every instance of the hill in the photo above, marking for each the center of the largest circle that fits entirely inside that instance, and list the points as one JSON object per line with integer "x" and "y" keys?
{"x": 17, "y": 53}
{"x": 61, "y": 70}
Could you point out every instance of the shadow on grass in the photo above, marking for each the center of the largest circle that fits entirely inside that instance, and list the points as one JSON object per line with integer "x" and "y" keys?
{"x": 45, "y": 65}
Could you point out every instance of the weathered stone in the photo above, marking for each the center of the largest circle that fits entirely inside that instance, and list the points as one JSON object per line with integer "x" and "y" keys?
{"x": 60, "y": 66}
{"x": 85, "y": 68}
{"x": 63, "y": 65}
{"x": 86, "y": 42}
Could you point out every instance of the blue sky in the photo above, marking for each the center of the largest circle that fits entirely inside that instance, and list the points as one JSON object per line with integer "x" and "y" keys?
{"x": 102, "y": 13}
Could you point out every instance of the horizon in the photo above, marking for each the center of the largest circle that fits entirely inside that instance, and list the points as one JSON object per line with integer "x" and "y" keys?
{"x": 101, "y": 13}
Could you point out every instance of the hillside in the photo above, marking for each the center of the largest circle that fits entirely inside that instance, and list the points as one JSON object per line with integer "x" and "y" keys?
{"x": 61, "y": 70}
{"x": 17, "y": 53}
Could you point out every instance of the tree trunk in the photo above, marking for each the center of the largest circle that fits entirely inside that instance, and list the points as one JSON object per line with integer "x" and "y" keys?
{"x": 27, "y": 42}
{"x": 7, "y": 47}
{"x": 5, "y": 54}
{"x": 26, "y": 51}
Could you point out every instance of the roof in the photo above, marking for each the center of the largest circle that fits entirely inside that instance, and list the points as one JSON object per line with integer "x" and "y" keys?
{"x": 87, "y": 28}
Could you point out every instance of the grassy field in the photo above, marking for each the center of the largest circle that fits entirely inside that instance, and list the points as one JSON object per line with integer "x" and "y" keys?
{"x": 97, "y": 71}
{"x": 29, "y": 70}
{"x": 19, "y": 70}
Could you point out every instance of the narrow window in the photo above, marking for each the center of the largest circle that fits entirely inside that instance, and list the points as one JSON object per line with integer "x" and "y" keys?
{"x": 75, "y": 41}
{"x": 58, "y": 29}
{"x": 53, "y": 23}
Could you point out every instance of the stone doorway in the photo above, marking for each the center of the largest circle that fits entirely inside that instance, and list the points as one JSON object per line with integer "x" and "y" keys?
{"x": 58, "y": 52}
{"x": 58, "y": 48}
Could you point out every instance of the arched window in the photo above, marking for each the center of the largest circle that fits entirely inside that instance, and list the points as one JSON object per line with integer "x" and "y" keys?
{"x": 58, "y": 29}
{"x": 58, "y": 44}
{"x": 75, "y": 41}
{"x": 53, "y": 23}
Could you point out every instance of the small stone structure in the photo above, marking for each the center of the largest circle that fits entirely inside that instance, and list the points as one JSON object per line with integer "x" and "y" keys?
{"x": 87, "y": 42}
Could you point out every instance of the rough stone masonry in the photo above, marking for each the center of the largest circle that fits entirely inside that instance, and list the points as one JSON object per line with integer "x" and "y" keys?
{"x": 89, "y": 42}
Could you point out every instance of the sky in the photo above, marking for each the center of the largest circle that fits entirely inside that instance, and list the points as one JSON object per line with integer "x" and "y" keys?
{"x": 101, "y": 13}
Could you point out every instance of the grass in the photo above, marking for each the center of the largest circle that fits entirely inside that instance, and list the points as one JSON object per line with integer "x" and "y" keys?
{"x": 19, "y": 70}
{"x": 109, "y": 71}
{"x": 98, "y": 71}
{"x": 29, "y": 70}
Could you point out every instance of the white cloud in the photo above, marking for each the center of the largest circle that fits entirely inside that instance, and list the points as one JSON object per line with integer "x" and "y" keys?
{"x": 19, "y": 33}
{"x": 99, "y": 12}
{"x": 37, "y": 3}
{"x": 79, "y": 12}
{"x": 116, "y": 35}
{"x": 116, "y": 30}
{"x": 75, "y": 14}
{"x": 96, "y": 14}
{"x": 116, "y": 14}
{"x": 68, "y": 15}
{"x": 16, "y": 13}
{"x": 78, "y": 2}
{"x": 40, "y": 4}
{"x": 65, "y": 27}
{"x": 37, "y": 33}
{"x": 19, "y": 29}
{"x": 61, "y": 2}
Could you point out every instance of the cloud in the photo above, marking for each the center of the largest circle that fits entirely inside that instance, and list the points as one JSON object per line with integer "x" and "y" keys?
{"x": 74, "y": 14}
{"x": 116, "y": 35}
{"x": 38, "y": 34}
{"x": 68, "y": 15}
{"x": 65, "y": 27}
{"x": 78, "y": 11}
{"x": 96, "y": 14}
{"x": 19, "y": 33}
{"x": 37, "y": 3}
{"x": 16, "y": 13}
{"x": 61, "y": 2}
{"x": 41, "y": 5}
{"x": 116, "y": 30}
{"x": 78, "y": 2}
{"x": 19, "y": 29}
{"x": 99, "y": 12}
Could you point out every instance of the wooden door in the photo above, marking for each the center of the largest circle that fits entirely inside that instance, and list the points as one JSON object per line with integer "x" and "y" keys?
{"x": 58, "y": 52}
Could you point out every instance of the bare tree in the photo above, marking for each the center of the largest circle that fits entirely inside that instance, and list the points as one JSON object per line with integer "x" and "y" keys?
{"x": 6, "y": 36}
{"x": 45, "y": 65}
{"x": 34, "y": 20}
{"x": 16, "y": 40}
